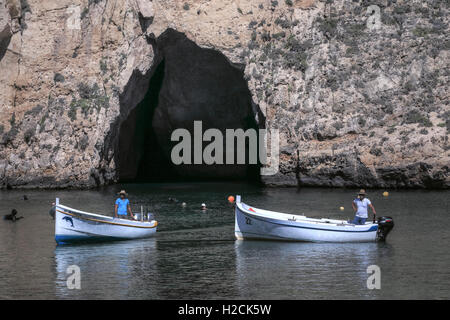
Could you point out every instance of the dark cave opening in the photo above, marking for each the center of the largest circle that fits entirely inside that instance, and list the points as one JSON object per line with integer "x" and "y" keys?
{"x": 188, "y": 84}
{"x": 141, "y": 159}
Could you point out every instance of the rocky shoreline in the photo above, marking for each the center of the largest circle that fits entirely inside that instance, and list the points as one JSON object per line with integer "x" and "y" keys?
{"x": 357, "y": 105}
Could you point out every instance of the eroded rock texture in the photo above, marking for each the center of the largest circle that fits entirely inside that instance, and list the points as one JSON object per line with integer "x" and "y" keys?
{"x": 364, "y": 101}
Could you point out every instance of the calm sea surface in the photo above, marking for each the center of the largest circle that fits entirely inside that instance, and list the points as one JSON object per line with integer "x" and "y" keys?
{"x": 195, "y": 255}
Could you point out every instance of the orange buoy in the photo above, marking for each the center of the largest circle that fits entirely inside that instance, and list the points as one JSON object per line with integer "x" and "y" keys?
{"x": 230, "y": 199}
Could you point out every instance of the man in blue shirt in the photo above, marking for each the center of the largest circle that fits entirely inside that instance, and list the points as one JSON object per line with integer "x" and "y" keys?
{"x": 360, "y": 205}
{"x": 122, "y": 206}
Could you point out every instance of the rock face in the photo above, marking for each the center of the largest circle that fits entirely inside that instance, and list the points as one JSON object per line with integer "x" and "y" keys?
{"x": 192, "y": 84}
{"x": 358, "y": 89}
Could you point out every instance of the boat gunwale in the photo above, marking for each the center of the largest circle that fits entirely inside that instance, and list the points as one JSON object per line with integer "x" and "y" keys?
{"x": 79, "y": 214}
{"x": 281, "y": 222}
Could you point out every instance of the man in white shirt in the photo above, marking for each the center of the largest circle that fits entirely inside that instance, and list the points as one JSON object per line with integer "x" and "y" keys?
{"x": 360, "y": 205}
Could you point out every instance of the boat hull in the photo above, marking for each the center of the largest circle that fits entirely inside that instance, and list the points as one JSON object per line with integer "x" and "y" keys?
{"x": 73, "y": 226}
{"x": 250, "y": 225}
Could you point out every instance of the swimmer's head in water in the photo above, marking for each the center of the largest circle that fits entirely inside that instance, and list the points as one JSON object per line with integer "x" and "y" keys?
{"x": 13, "y": 212}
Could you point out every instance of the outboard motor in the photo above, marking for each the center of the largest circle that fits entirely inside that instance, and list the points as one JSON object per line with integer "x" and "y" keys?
{"x": 385, "y": 225}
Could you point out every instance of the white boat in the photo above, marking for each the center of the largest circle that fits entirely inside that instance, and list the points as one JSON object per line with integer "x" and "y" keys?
{"x": 73, "y": 225}
{"x": 253, "y": 223}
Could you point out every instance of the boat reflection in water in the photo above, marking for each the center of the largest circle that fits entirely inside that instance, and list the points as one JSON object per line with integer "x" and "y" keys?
{"x": 114, "y": 270}
{"x": 301, "y": 270}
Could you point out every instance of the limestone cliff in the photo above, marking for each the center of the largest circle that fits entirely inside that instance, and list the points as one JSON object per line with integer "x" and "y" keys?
{"x": 358, "y": 89}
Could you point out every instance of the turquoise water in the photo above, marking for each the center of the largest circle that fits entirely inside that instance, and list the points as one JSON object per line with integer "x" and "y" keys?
{"x": 195, "y": 255}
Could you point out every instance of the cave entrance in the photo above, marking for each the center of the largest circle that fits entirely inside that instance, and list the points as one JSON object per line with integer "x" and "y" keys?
{"x": 187, "y": 84}
{"x": 141, "y": 158}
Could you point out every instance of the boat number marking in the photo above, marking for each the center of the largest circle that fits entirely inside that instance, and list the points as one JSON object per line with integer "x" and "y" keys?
{"x": 248, "y": 220}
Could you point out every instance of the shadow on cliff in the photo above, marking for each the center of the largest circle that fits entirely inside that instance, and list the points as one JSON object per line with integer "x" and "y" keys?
{"x": 186, "y": 83}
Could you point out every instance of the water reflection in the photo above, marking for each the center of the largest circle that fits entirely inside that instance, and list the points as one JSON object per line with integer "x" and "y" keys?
{"x": 108, "y": 270}
{"x": 280, "y": 270}
{"x": 194, "y": 254}
{"x": 196, "y": 264}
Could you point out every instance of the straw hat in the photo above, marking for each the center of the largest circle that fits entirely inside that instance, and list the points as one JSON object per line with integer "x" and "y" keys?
{"x": 122, "y": 192}
{"x": 362, "y": 191}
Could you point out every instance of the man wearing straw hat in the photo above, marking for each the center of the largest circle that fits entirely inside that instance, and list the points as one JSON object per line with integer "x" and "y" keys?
{"x": 360, "y": 205}
{"x": 122, "y": 206}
